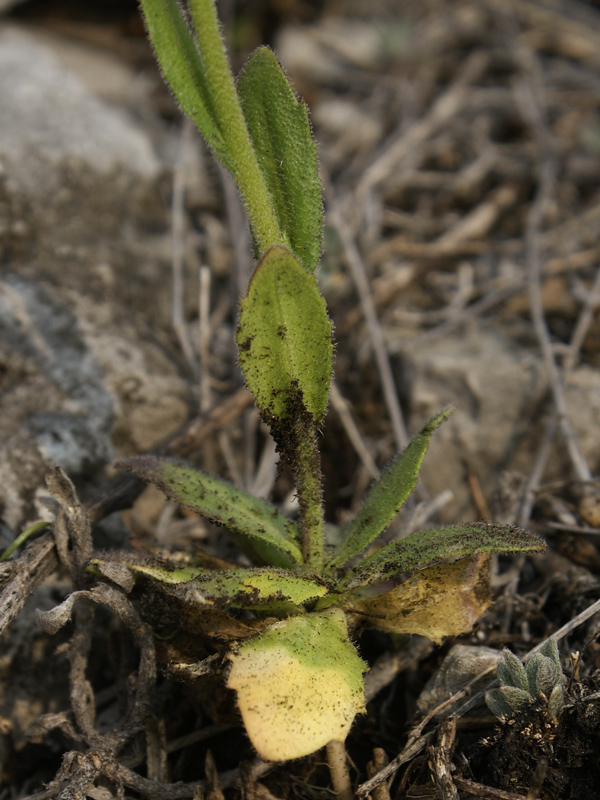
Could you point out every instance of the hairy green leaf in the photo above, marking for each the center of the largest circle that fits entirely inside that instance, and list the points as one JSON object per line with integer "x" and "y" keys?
{"x": 184, "y": 71}
{"x": 556, "y": 702}
{"x": 299, "y": 685}
{"x": 162, "y": 574}
{"x": 541, "y": 675}
{"x": 262, "y": 553}
{"x": 287, "y": 155}
{"x": 507, "y": 701}
{"x": 497, "y": 704}
{"x": 426, "y": 547}
{"x": 550, "y": 649}
{"x": 387, "y": 496}
{"x": 284, "y": 340}
{"x": 220, "y": 501}
{"x": 511, "y": 671}
{"x": 236, "y": 588}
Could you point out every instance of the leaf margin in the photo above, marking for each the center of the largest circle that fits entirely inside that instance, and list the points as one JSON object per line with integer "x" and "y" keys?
{"x": 279, "y": 126}
{"x": 425, "y": 548}
{"x": 404, "y": 468}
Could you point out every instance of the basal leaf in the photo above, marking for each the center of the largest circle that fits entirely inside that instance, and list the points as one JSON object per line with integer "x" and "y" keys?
{"x": 120, "y": 571}
{"x": 425, "y": 547}
{"x": 261, "y": 553}
{"x": 299, "y": 685}
{"x": 287, "y": 155}
{"x": 443, "y": 600}
{"x": 182, "y": 66}
{"x": 161, "y": 574}
{"x": 284, "y": 340}
{"x": 236, "y": 588}
{"x": 387, "y": 496}
{"x": 220, "y": 501}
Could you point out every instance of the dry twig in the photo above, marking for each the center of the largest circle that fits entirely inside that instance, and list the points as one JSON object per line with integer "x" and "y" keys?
{"x": 357, "y": 270}
{"x": 440, "y": 755}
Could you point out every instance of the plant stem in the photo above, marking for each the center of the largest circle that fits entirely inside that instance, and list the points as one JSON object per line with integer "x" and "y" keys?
{"x": 22, "y": 537}
{"x": 233, "y": 128}
{"x": 307, "y": 474}
{"x": 338, "y": 768}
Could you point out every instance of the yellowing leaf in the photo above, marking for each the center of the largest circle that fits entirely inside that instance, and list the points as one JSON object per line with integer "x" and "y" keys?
{"x": 443, "y": 600}
{"x": 158, "y": 573}
{"x": 234, "y": 588}
{"x": 423, "y": 548}
{"x": 299, "y": 685}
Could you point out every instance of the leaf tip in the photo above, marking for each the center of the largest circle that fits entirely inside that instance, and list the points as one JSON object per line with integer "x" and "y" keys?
{"x": 437, "y": 420}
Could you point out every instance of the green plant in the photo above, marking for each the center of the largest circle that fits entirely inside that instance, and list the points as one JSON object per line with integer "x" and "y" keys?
{"x": 540, "y": 679}
{"x": 285, "y": 628}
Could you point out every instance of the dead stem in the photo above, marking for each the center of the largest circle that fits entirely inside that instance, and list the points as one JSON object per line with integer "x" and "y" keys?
{"x": 339, "y": 402}
{"x": 338, "y": 768}
{"x": 204, "y": 335}
{"x": 484, "y": 792}
{"x": 178, "y": 225}
{"x": 440, "y": 755}
{"x": 442, "y": 111}
{"x": 532, "y": 107}
{"x": 590, "y": 302}
{"x": 538, "y": 780}
{"x": 359, "y": 277}
{"x": 379, "y": 761}
{"x": 385, "y": 669}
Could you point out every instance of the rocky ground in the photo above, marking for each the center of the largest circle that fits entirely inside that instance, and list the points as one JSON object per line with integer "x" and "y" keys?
{"x": 460, "y": 151}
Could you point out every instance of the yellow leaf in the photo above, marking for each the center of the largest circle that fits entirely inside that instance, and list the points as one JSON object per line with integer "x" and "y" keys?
{"x": 443, "y": 600}
{"x": 299, "y": 685}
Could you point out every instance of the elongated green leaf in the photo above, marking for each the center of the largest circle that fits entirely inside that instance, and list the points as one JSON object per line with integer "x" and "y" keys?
{"x": 170, "y": 603}
{"x": 299, "y": 685}
{"x": 162, "y": 574}
{"x": 219, "y": 501}
{"x": 284, "y": 340}
{"x": 261, "y": 553}
{"x": 387, "y": 496}
{"x": 183, "y": 69}
{"x": 426, "y": 547}
{"x": 236, "y": 588}
{"x": 287, "y": 154}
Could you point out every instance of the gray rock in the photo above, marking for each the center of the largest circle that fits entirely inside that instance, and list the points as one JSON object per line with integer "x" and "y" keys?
{"x": 461, "y": 666}
{"x": 84, "y": 299}
{"x": 79, "y": 180}
{"x": 498, "y": 383}
{"x": 498, "y": 389}
{"x": 582, "y": 391}
{"x": 75, "y": 392}
{"x": 51, "y": 121}
{"x": 7, "y": 5}
{"x": 71, "y": 420}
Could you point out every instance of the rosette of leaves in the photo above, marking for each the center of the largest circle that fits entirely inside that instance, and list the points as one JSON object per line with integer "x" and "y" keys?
{"x": 287, "y": 623}
{"x": 297, "y": 674}
{"x": 540, "y": 679}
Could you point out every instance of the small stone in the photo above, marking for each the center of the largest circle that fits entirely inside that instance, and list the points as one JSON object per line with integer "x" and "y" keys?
{"x": 462, "y": 664}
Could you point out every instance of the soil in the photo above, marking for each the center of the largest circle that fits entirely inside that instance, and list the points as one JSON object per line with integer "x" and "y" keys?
{"x": 459, "y": 143}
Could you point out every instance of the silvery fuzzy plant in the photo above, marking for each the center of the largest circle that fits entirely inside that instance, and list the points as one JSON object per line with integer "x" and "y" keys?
{"x": 289, "y": 654}
{"x": 540, "y": 679}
